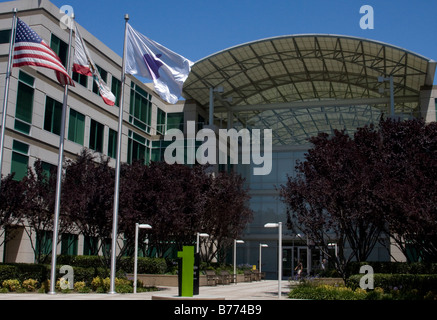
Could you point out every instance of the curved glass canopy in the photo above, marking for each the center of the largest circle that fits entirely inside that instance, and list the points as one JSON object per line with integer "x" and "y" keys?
{"x": 300, "y": 85}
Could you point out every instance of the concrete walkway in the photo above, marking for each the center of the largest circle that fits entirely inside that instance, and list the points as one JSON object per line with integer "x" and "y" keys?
{"x": 258, "y": 290}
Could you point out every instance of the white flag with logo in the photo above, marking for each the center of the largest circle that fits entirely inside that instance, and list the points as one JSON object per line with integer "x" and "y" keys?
{"x": 149, "y": 59}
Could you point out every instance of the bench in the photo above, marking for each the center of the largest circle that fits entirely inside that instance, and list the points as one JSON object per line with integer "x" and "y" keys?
{"x": 225, "y": 277}
{"x": 211, "y": 278}
{"x": 247, "y": 275}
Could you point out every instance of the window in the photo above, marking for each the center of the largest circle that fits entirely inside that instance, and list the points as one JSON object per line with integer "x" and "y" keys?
{"x": 103, "y": 75}
{"x": 69, "y": 244}
{"x": 112, "y": 144}
{"x": 76, "y": 127}
{"x": 96, "y": 136}
{"x": 90, "y": 246}
{"x": 60, "y": 48}
{"x": 53, "y": 115}
{"x": 160, "y": 122}
{"x": 200, "y": 122}
{"x": 20, "y": 159}
{"x": 81, "y": 79}
{"x": 175, "y": 121}
{"x": 116, "y": 90}
{"x": 24, "y": 107}
{"x": 5, "y": 36}
{"x": 136, "y": 148}
{"x": 44, "y": 240}
{"x": 48, "y": 169}
{"x": 140, "y": 108}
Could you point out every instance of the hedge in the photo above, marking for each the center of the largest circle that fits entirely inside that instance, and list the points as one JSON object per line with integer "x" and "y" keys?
{"x": 125, "y": 264}
{"x": 307, "y": 290}
{"x": 85, "y": 268}
{"x": 387, "y": 267}
{"x": 422, "y": 283}
{"x": 24, "y": 271}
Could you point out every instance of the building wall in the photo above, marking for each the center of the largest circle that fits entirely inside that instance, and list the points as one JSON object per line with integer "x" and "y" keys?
{"x": 43, "y": 17}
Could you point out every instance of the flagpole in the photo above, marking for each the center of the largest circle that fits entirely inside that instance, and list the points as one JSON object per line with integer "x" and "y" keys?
{"x": 117, "y": 168}
{"x": 59, "y": 173}
{"x": 6, "y": 96}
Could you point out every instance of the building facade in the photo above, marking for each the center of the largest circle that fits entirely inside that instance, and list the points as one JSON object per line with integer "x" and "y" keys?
{"x": 296, "y": 86}
{"x": 35, "y": 104}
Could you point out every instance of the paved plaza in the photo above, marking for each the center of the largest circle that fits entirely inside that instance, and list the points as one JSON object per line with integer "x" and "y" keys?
{"x": 259, "y": 290}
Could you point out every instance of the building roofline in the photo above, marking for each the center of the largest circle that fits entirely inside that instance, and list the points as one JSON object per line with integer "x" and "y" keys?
{"x": 307, "y": 35}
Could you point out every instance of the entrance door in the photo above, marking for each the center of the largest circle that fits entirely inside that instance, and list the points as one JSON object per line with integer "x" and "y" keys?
{"x": 287, "y": 262}
{"x": 291, "y": 256}
{"x": 301, "y": 256}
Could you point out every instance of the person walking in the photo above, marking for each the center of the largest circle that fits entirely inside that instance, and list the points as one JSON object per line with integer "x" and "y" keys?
{"x": 299, "y": 269}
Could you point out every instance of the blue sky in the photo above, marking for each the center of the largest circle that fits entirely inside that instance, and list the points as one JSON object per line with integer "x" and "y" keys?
{"x": 198, "y": 28}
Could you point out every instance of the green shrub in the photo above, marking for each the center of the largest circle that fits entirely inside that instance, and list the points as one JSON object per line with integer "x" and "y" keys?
{"x": 311, "y": 291}
{"x": 125, "y": 264}
{"x": 12, "y": 285}
{"x": 7, "y": 272}
{"x": 30, "y": 285}
{"x": 102, "y": 285}
{"x": 24, "y": 271}
{"x": 386, "y": 267}
{"x": 401, "y": 282}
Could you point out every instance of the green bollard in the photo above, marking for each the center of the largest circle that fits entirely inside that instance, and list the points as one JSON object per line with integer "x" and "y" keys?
{"x": 186, "y": 285}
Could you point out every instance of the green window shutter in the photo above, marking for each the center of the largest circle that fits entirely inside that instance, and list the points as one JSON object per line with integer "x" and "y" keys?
{"x": 112, "y": 143}
{"x": 44, "y": 242}
{"x": 5, "y": 36}
{"x": 160, "y": 123}
{"x": 52, "y": 116}
{"x": 20, "y": 147}
{"x": 60, "y": 48}
{"x": 175, "y": 121}
{"x": 20, "y": 159}
{"x": 103, "y": 75}
{"x": 24, "y": 106}
{"x": 96, "y": 136}
{"x": 69, "y": 244}
{"x": 140, "y": 108}
{"x": 48, "y": 168}
{"x": 137, "y": 148}
{"x": 19, "y": 165}
{"x": 80, "y": 78}
{"x": 76, "y": 127}
{"x": 27, "y": 79}
{"x": 116, "y": 90}
{"x": 90, "y": 246}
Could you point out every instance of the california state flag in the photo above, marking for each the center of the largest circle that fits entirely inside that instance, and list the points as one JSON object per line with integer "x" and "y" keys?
{"x": 83, "y": 64}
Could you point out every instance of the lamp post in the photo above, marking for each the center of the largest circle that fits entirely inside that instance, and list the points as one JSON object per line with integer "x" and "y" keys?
{"x": 199, "y": 235}
{"x": 392, "y": 96}
{"x": 279, "y": 226}
{"x": 235, "y": 258}
{"x": 261, "y": 245}
{"x": 335, "y": 246}
{"x": 137, "y": 227}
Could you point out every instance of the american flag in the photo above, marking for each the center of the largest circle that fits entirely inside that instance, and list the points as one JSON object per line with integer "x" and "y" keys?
{"x": 31, "y": 50}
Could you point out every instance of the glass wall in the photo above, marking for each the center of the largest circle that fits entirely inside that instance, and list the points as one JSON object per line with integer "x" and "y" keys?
{"x": 268, "y": 207}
